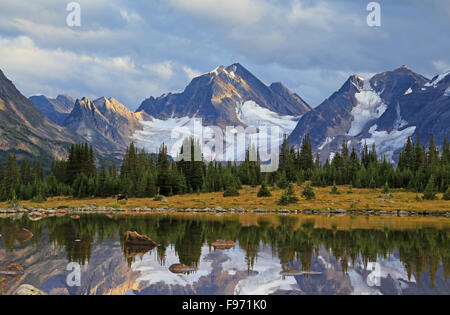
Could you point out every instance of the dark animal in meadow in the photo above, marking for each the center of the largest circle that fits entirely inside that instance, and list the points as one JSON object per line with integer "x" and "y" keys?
{"x": 122, "y": 197}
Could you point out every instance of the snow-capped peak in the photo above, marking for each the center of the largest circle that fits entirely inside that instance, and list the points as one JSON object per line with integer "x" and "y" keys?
{"x": 215, "y": 71}
{"x": 221, "y": 69}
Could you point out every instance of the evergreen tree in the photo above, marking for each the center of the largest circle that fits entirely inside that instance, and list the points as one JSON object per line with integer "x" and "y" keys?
{"x": 306, "y": 160}
{"x": 433, "y": 154}
{"x": 231, "y": 191}
{"x": 101, "y": 187}
{"x": 164, "y": 184}
{"x": 308, "y": 192}
{"x": 335, "y": 190}
{"x": 25, "y": 173}
{"x": 11, "y": 180}
{"x": 446, "y": 194}
{"x": 430, "y": 190}
{"x": 386, "y": 189}
{"x": 264, "y": 192}
{"x": 282, "y": 181}
{"x": 288, "y": 196}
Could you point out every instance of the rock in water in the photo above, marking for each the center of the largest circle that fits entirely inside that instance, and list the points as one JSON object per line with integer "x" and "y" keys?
{"x": 181, "y": 268}
{"x": 134, "y": 238}
{"x": 23, "y": 235}
{"x": 11, "y": 271}
{"x": 223, "y": 244}
{"x": 295, "y": 272}
{"x": 136, "y": 244}
{"x": 36, "y": 216}
{"x": 26, "y": 289}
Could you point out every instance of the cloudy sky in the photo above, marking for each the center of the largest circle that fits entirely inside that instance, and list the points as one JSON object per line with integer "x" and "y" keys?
{"x": 133, "y": 49}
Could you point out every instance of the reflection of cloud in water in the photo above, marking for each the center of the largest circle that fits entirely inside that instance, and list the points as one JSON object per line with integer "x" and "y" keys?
{"x": 387, "y": 268}
{"x": 264, "y": 280}
{"x": 153, "y": 272}
{"x": 267, "y": 278}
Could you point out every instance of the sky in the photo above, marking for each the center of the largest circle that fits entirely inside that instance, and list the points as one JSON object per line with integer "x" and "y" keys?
{"x": 134, "y": 49}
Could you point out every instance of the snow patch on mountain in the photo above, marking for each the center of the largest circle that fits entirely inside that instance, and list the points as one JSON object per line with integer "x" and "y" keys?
{"x": 370, "y": 106}
{"x": 173, "y": 131}
{"x": 331, "y": 156}
{"x": 215, "y": 71}
{"x": 251, "y": 114}
{"x": 388, "y": 142}
{"x": 170, "y": 131}
{"x": 399, "y": 122}
{"x": 230, "y": 73}
{"x": 447, "y": 92}
{"x": 439, "y": 78}
{"x": 408, "y": 91}
{"x": 325, "y": 142}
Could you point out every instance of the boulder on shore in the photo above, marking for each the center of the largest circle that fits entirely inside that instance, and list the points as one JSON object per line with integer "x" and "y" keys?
{"x": 223, "y": 244}
{"x": 26, "y": 289}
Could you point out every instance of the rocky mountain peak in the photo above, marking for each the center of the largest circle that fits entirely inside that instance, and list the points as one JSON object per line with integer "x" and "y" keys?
{"x": 214, "y": 97}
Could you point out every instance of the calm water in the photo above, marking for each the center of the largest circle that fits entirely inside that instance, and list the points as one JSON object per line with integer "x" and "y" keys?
{"x": 273, "y": 254}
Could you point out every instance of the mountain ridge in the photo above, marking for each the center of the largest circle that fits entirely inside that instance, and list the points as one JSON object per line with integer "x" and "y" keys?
{"x": 105, "y": 122}
{"x": 384, "y": 110}
{"x": 26, "y": 131}
{"x": 214, "y": 95}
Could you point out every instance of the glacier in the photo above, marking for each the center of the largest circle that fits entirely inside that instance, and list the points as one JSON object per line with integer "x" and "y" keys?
{"x": 439, "y": 78}
{"x": 251, "y": 114}
{"x": 370, "y": 106}
{"x": 388, "y": 142}
{"x": 174, "y": 130}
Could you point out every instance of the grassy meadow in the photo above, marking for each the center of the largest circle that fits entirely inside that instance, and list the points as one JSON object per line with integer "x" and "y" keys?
{"x": 347, "y": 199}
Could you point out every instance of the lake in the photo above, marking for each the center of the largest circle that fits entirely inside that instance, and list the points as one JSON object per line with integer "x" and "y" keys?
{"x": 269, "y": 254}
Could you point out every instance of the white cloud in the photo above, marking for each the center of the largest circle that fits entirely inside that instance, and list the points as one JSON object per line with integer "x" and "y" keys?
{"x": 158, "y": 45}
{"x": 163, "y": 70}
{"x": 191, "y": 73}
{"x": 130, "y": 16}
{"x": 37, "y": 70}
{"x": 229, "y": 11}
{"x": 441, "y": 66}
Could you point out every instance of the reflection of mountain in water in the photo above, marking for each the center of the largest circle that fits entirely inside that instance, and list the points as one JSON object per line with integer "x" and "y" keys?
{"x": 408, "y": 260}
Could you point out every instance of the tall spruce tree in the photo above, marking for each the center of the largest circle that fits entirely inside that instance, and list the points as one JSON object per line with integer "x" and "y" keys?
{"x": 164, "y": 184}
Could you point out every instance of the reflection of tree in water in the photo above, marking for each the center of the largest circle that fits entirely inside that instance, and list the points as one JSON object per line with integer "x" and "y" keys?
{"x": 188, "y": 245}
{"x": 419, "y": 249}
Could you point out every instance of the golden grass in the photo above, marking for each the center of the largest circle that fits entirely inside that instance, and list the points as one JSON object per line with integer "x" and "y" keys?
{"x": 360, "y": 199}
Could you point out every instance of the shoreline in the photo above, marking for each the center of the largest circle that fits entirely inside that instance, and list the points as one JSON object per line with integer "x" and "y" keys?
{"x": 38, "y": 213}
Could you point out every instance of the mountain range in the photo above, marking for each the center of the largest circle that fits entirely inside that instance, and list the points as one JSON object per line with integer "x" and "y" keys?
{"x": 26, "y": 131}
{"x": 56, "y": 109}
{"x": 383, "y": 110}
